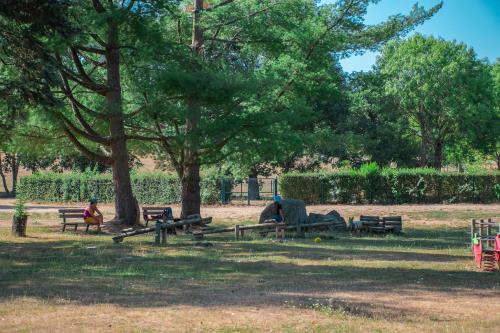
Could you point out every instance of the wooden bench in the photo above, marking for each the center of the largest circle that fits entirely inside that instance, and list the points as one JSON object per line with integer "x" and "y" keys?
{"x": 370, "y": 223}
{"x": 155, "y": 213}
{"x": 72, "y": 217}
{"x": 382, "y": 225}
{"x": 393, "y": 223}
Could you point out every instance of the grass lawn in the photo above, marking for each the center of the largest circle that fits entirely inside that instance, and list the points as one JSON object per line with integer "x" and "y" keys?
{"x": 424, "y": 281}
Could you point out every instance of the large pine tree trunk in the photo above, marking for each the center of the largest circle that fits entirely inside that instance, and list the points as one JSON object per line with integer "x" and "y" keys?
{"x": 191, "y": 198}
{"x": 190, "y": 180}
{"x": 125, "y": 203}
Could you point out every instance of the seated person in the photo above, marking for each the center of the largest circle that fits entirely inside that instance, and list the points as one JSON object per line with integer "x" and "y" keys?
{"x": 93, "y": 215}
{"x": 278, "y": 213}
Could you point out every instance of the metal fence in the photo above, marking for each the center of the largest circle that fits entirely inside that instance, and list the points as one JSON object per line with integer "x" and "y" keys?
{"x": 248, "y": 190}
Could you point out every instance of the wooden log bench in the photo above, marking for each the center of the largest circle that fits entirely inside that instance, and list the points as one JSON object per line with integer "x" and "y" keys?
{"x": 393, "y": 223}
{"x": 369, "y": 223}
{"x": 375, "y": 224}
{"x": 72, "y": 217}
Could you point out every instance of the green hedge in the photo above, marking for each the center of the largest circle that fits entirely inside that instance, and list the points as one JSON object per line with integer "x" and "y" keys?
{"x": 391, "y": 186}
{"x": 151, "y": 188}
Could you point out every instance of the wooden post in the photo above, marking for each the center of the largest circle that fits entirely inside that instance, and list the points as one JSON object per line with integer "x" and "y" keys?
{"x": 236, "y": 232}
{"x": 490, "y": 242}
{"x": 157, "y": 233}
{"x": 278, "y": 233}
{"x": 164, "y": 234}
{"x": 472, "y": 230}
{"x": 481, "y": 228}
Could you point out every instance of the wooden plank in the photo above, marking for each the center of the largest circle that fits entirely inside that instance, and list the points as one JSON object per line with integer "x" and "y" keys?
{"x": 369, "y": 217}
{"x": 370, "y": 223}
{"x": 75, "y": 223}
{"x": 153, "y": 212}
{"x": 71, "y": 210}
{"x": 493, "y": 224}
{"x": 70, "y": 216}
{"x": 203, "y": 221}
{"x": 214, "y": 231}
{"x": 393, "y": 223}
{"x": 262, "y": 226}
{"x": 322, "y": 224}
{"x": 120, "y": 237}
{"x": 392, "y": 218}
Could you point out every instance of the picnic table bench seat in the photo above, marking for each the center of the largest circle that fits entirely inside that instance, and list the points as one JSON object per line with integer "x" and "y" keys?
{"x": 72, "y": 217}
{"x": 155, "y": 213}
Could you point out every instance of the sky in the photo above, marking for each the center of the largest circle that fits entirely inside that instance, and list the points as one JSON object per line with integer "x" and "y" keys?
{"x": 473, "y": 22}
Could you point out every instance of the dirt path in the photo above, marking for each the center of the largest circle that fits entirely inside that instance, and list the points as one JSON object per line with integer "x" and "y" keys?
{"x": 46, "y": 213}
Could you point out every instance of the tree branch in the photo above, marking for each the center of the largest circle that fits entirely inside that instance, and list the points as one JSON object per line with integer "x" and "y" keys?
{"x": 67, "y": 91}
{"x": 315, "y": 44}
{"x": 85, "y": 151}
{"x": 79, "y": 66}
{"x": 90, "y": 49}
{"x": 221, "y": 4}
{"x": 95, "y": 138}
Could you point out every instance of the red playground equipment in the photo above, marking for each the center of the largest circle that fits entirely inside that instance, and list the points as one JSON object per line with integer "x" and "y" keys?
{"x": 485, "y": 239}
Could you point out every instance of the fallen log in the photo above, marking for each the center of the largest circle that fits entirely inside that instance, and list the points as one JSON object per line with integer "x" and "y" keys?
{"x": 120, "y": 237}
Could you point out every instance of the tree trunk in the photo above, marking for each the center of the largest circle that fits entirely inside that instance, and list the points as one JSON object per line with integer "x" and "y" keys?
{"x": 19, "y": 225}
{"x": 125, "y": 202}
{"x": 15, "y": 172}
{"x": 191, "y": 198}
{"x": 190, "y": 180}
{"x": 438, "y": 155}
{"x": 253, "y": 185}
{"x": 4, "y": 179}
{"x": 424, "y": 150}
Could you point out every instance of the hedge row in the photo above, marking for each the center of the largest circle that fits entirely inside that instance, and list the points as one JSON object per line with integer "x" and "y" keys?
{"x": 391, "y": 187}
{"x": 388, "y": 186}
{"x": 154, "y": 188}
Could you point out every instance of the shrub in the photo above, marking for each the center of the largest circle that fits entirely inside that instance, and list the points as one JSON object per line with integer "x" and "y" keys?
{"x": 370, "y": 184}
{"x": 149, "y": 188}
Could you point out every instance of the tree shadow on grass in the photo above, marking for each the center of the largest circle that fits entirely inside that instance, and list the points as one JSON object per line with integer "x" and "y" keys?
{"x": 413, "y": 238}
{"x": 227, "y": 274}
